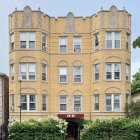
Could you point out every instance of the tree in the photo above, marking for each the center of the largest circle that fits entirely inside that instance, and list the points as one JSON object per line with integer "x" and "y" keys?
{"x": 135, "y": 85}
{"x": 132, "y": 110}
{"x": 136, "y": 43}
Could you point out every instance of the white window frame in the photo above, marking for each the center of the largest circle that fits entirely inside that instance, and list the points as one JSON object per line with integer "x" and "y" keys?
{"x": 113, "y": 39}
{"x": 62, "y": 37}
{"x": 112, "y": 102}
{"x": 12, "y": 102}
{"x": 96, "y": 102}
{"x": 95, "y": 72}
{"x": 27, "y": 40}
{"x": 27, "y": 73}
{"x": 44, "y": 73}
{"x": 77, "y": 74}
{"x": 12, "y": 42}
{"x": 44, "y": 43}
{"x": 113, "y": 71}
{"x": 12, "y": 72}
{"x": 63, "y": 103}
{"x": 79, "y": 43}
{"x": 28, "y": 103}
{"x": 77, "y": 109}
{"x": 44, "y": 102}
{"x": 98, "y": 37}
{"x": 66, "y": 74}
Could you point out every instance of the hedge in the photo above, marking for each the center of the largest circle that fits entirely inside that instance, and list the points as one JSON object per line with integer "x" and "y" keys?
{"x": 115, "y": 129}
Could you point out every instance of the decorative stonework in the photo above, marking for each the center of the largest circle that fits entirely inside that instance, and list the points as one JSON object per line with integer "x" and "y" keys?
{"x": 16, "y": 20}
{"x": 124, "y": 19}
{"x": 113, "y": 17}
{"x": 101, "y": 15}
{"x": 39, "y": 20}
{"x": 27, "y": 17}
{"x": 70, "y": 23}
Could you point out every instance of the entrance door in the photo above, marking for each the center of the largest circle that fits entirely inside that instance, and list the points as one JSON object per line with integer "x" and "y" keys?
{"x": 72, "y": 131}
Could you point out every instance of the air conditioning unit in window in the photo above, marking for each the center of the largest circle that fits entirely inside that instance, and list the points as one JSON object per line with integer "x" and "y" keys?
{"x": 44, "y": 48}
{"x": 77, "y": 109}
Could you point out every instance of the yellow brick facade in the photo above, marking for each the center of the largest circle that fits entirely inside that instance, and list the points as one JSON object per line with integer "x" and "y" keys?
{"x": 112, "y": 20}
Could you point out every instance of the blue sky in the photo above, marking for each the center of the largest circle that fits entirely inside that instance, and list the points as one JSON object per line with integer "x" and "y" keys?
{"x": 61, "y": 8}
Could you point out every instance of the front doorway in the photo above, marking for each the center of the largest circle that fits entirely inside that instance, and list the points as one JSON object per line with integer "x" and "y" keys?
{"x": 72, "y": 131}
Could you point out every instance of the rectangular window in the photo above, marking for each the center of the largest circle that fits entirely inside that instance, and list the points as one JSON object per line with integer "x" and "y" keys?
{"x": 117, "y": 40}
{"x": 108, "y": 71}
{"x": 44, "y": 42}
{"x": 113, "y": 102}
{"x": 12, "y": 102}
{"x": 112, "y": 40}
{"x": 77, "y": 103}
{"x": 12, "y": 71}
{"x": 44, "y": 72}
{"x": 44, "y": 102}
{"x": 96, "y": 72}
{"x": 96, "y": 102}
{"x": 96, "y": 41}
{"x": 31, "y": 70}
{"x": 109, "y": 40}
{"x": 113, "y": 71}
{"x": 28, "y": 102}
{"x": 23, "y": 101}
{"x": 127, "y": 41}
{"x": 63, "y": 75}
{"x": 32, "y": 102}
{"x": 127, "y": 72}
{"x": 28, "y": 71}
{"x": 12, "y": 41}
{"x": 77, "y": 44}
{"x": 63, "y": 103}
{"x": 117, "y": 71}
{"x": 27, "y": 40}
{"x": 77, "y": 74}
{"x": 63, "y": 44}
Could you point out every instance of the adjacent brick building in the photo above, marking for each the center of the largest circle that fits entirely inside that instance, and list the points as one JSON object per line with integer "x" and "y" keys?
{"x": 69, "y": 65}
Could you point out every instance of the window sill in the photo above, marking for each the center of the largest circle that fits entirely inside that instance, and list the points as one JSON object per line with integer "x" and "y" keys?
{"x": 29, "y": 81}
{"x": 76, "y": 83}
{"x": 62, "y": 82}
{"x": 44, "y": 81}
{"x": 96, "y": 81}
{"x": 113, "y": 80}
{"x": 63, "y": 111}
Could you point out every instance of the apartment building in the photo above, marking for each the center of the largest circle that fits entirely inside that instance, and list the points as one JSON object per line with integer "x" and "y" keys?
{"x": 70, "y": 67}
{"x": 4, "y": 104}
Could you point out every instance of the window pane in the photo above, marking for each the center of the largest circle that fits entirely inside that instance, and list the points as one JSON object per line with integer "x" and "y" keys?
{"x": 96, "y": 72}
{"x": 96, "y": 40}
{"x": 108, "y": 71}
{"x": 63, "y": 71}
{"x": 109, "y": 39}
{"x": 117, "y": 70}
{"x": 63, "y": 103}
{"x": 96, "y": 102}
{"x": 23, "y": 36}
{"x": 32, "y": 36}
{"x": 44, "y": 71}
{"x": 12, "y": 102}
{"x": 32, "y": 102}
{"x": 77, "y": 103}
{"x": 77, "y": 44}
{"x": 31, "y": 44}
{"x": 23, "y": 101}
{"x": 44, "y": 104}
{"x": 31, "y": 71}
{"x": 23, "y": 44}
{"x": 108, "y": 103}
{"x": 127, "y": 71}
{"x": 116, "y": 102}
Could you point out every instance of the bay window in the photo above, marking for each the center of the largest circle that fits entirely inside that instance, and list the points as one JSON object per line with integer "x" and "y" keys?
{"x": 113, "y": 71}
{"x": 28, "y": 71}
{"x": 28, "y": 102}
{"x": 113, "y": 102}
{"x": 27, "y": 40}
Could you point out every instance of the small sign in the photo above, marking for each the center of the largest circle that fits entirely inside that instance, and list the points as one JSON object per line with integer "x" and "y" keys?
{"x": 70, "y": 115}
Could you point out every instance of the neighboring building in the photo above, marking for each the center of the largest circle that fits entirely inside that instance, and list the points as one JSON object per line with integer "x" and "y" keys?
{"x": 4, "y": 99}
{"x": 71, "y": 67}
{"x": 135, "y": 96}
{"x": 4, "y": 103}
